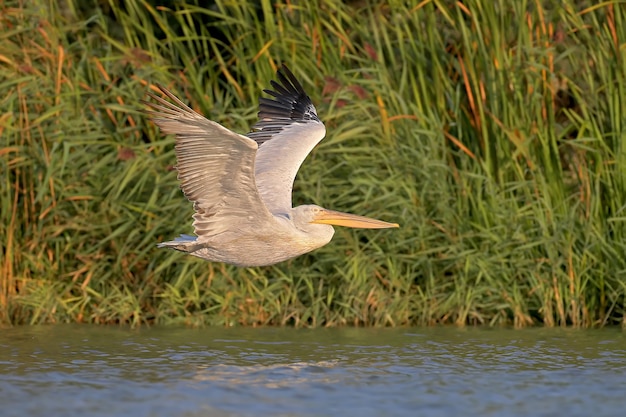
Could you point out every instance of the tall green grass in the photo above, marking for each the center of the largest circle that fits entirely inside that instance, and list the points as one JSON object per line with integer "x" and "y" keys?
{"x": 492, "y": 131}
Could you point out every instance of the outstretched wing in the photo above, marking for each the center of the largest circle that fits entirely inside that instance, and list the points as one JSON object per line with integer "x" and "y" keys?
{"x": 287, "y": 131}
{"x": 215, "y": 167}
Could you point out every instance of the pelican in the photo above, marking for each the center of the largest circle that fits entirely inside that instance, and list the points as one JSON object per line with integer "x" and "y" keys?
{"x": 240, "y": 186}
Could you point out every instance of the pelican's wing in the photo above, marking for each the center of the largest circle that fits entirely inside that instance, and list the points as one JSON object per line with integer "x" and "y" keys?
{"x": 288, "y": 129}
{"x": 215, "y": 167}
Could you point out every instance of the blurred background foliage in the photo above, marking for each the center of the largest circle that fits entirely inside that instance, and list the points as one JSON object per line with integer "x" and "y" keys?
{"x": 491, "y": 130}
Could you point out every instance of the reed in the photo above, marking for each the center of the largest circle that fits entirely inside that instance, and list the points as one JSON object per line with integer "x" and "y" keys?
{"x": 491, "y": 130}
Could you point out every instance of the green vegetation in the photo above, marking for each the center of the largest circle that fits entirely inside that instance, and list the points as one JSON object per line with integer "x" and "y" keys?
{"x": 493, "y": 131}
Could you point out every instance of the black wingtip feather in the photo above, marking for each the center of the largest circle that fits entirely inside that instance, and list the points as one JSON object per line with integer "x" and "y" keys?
{"x": 289, "y": 104}
{"x": 287, "y": 75}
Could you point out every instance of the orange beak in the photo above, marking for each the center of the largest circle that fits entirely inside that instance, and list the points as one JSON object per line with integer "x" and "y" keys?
{"x": 337, "y": 218}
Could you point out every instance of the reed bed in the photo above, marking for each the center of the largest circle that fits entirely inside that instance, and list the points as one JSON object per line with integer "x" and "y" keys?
{"x": 492, "y": 131}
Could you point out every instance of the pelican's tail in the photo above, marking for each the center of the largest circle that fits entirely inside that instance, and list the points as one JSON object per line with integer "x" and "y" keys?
{"x": 183, "y": 243}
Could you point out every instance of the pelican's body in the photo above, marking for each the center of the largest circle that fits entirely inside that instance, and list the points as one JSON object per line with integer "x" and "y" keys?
{"x": 268, "y": 243}
{"x": 241, "y": 185}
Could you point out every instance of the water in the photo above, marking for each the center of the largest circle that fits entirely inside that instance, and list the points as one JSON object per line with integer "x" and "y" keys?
{"x": 105, "y": 371}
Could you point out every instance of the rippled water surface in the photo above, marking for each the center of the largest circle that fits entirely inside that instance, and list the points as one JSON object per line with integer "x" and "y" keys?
{"x": 105, "y": 371}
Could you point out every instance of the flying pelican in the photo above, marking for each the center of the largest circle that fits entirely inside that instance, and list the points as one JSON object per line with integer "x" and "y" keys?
{"x": 240, "y": 186}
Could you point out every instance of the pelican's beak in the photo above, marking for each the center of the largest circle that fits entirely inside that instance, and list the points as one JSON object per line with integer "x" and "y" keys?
{"x": 338, "y": 218}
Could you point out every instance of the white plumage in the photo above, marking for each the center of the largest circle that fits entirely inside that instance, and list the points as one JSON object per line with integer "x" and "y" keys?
{"x": 241, "y": 185}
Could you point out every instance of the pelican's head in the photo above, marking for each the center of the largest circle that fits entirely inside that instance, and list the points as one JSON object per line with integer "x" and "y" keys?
{"x": 312, "y": 214}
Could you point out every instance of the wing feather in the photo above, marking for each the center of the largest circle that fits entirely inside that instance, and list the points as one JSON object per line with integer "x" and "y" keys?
{"x": 215, "y": 167}
{"x": 287, "y": 131}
